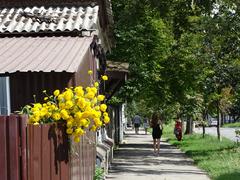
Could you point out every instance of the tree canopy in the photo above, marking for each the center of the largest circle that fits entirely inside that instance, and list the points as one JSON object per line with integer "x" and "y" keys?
{"x": 183, "y": 55}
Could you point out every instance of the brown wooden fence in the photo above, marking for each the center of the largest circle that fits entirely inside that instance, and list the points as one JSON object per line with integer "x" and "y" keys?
{"x": 43, "y": 152}
{"x": 13, "y": 148}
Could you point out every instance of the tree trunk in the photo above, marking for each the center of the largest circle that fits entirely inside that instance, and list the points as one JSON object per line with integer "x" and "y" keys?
{"x": 222, "y": 119}
{"x": 204, "y": 116}
{"x": 189, "y": 126}
{"x": 218, "y": 123}
{"x": 203, "y": 131}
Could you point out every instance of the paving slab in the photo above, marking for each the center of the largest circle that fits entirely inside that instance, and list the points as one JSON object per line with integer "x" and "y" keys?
{"x": 134, "y": 160}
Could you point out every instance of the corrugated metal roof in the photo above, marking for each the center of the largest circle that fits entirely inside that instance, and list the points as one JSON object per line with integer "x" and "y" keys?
{"x": 37, "y": 19}
{"x": 42, "y": 53}
{"x": 117, "y": 66}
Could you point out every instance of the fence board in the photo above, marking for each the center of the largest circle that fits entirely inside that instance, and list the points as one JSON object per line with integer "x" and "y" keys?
{"x": 37, "y": 154}
{"x": 64, "y": 147}
{"x": 48, "y": 147}
{"x": 23, "y": 136}
{"x": 42, "y": 152}
{"x": 54, "y": 144}
{"x": 3, "y": 149}
{"x": 13, "y": 135}
{"x": 29, "y": 147}
{"x": 46, "y": 151}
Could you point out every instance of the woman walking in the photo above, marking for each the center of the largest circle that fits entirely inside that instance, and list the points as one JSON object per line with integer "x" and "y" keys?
{"x": 157, "y": 128}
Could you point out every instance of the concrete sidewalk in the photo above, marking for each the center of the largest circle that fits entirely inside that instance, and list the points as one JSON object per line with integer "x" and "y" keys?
{"x": 135, "y": 160}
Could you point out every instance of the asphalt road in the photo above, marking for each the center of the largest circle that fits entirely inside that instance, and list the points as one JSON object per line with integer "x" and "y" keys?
{"x": 225, "y": 132}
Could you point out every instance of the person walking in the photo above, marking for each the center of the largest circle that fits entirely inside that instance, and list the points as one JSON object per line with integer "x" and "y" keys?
{"x": 178, "y": 129}
{"x": 136, "y": 122}
{"x": 145, "y": 124}
{"x": 157, "y": 129}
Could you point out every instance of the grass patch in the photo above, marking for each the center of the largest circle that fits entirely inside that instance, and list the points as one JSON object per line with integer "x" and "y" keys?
{"x": 220, "y": 159}
{"x": 236, "y": 124}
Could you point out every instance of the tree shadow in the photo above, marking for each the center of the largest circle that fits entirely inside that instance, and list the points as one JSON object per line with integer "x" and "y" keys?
{"x": 60, "y": 142}
{"x": 229, "y": 176}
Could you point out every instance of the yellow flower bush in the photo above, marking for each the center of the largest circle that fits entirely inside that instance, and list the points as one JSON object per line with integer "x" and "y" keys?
{"x": 79, "y": 108}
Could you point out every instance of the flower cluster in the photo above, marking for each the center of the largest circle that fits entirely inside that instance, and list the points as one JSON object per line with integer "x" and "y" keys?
{"x": 80, "y": 108}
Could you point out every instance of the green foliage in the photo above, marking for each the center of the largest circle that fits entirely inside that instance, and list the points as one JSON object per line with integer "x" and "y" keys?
{"x": 236, "y": 124}
{"x": 99, "y": 173}
{"x": 115, "y": 101}
{"x": 219, "y": 159}
{"x": 183, "y": 55}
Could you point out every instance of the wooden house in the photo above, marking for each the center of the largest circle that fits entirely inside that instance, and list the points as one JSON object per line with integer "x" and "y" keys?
{"x": 48, "y": 45}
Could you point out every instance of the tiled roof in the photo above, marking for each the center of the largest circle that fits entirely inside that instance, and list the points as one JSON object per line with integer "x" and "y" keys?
{"x": 51, "y": 19}
{"x": 44, "y": 54}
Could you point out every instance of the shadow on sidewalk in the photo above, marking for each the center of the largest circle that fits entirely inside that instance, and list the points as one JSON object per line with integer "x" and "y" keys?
{"x": 135, "y": 158}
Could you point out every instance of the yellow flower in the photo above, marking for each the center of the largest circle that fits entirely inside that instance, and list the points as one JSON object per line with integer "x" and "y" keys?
{"x": 79, "y": 131}
{"x": 62, "y": 105}
{"x": 103, "y": 107}
{"x": 60, "y": 97}
{"x": 43, "y": 111}
{"x": 86, "y": 114}
{"x": 93, "y": 128}
{"x": 78, "y": 115}
{"x": 96, "y": 114}
{"x": 81, "y": 103}
{"x": 69, "y": 124}
{"x": 69, "y": 104}
{"x": 64, "y": 114}
{"x": 76, "y": 139}
{"x": 37, "y": 105}
{"x": 94, "y": 101}
{"x": 48, "y": 115}
{"x": 79, "y": 91}
{"x": 100, "y": 97}
{"x": 68, "y": 95}
{"x": 96, "y": 84}
{"x": 105, "y": 78}
{"x": 105, "y": 114}
{"x": 97, "y": 108}
{"x": 89, "y": 95}
{"x": 69, "y": 131}
{"x": 56, "y": 92}
{"x": 52, "y": 107}
{"x": 106, "y": 119}
{"x": 90, "y": 72}
{"x": 80, "y": 107}
{"x": 97, "y": 122}
{"x": 84, "y": 122}
{"x": 36, "y": 113}
{"x": 56, "y": 116}
{"x": 94, "y": 90}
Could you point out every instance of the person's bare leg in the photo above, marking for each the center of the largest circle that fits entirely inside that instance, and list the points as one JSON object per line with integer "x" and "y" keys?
{"x": 154, "y": 145}
{"x": 158, "y": 145}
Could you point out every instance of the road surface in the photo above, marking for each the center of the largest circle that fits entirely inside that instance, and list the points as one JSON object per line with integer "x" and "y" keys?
{"x": 225, "y": 132}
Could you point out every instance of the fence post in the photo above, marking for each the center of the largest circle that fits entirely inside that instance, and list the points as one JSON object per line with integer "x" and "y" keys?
{"x": 23, "y": 143}
{"x": 3, "y": 149}
{"x": 13, "y": 140}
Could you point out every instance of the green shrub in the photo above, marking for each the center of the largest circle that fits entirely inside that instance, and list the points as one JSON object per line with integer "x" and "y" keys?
{"x": 99, "y": 173}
